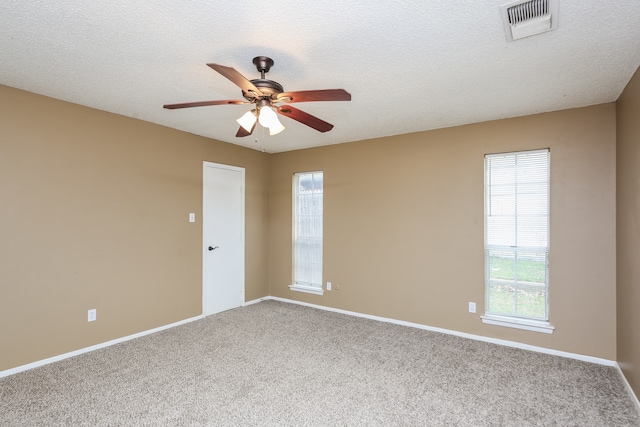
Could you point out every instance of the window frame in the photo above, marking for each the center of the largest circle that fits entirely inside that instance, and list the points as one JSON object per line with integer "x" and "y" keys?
{"x": 520, "y": 321}
{"x": 305, "y": 285}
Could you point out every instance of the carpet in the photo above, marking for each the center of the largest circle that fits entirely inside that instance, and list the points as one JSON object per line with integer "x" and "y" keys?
{"x": 279, "y": 364}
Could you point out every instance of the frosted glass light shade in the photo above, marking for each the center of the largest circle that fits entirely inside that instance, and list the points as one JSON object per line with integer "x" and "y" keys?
{"x": 267, "y": 117}
{"x": 276, "y": 127}
{"x": 247, "y": 120}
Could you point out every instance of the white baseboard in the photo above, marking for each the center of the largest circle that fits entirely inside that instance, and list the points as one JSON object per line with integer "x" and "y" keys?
{"x": 506, "y": 343}
{"x": 513, "y": 344}
{"x": 57, "y": 358}
{"x": 629, "y": 389}
{"x": 255, "y": 301}
{"x": 43, "y": 362}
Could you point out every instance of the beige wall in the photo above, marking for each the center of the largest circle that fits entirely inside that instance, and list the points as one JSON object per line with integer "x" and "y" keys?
{"x": 628, "y": 221}
{"x": 403, "y": 225}
{"x": 94, "y": 210}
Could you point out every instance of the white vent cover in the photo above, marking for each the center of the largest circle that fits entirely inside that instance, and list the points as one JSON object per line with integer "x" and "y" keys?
{"x": 526, "y": 18}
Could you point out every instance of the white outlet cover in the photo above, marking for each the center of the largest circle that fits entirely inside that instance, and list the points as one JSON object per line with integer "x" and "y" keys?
{"x": 472, "y": 307}
{"x": 91, "y": 315}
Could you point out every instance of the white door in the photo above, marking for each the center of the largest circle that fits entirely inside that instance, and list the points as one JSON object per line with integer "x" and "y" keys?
{"x": 223, "y": 237}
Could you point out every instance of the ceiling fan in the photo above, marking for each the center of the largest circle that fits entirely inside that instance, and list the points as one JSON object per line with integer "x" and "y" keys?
{"x": 265, "y": 94}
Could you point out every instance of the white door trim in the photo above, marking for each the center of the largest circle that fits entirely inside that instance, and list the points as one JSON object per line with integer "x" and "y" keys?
{"x": 205, "y": 251}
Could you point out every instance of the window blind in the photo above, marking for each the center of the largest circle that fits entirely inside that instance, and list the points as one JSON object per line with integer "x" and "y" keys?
{"x": 308, "y": 189}
{"x": 517, "y": 234}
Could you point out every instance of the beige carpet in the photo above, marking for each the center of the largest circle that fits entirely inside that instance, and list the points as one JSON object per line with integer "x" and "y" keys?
{"x": 279, "y": 364}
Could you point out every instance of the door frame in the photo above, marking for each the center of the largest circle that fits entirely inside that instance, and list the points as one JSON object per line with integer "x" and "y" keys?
{"x": 205, "y": 251}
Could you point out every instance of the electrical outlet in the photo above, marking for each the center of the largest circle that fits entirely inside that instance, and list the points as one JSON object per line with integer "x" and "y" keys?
{"x": 472, "y": 307}
{"x": 328, "y": 286}
{"x": 91, "y": 315}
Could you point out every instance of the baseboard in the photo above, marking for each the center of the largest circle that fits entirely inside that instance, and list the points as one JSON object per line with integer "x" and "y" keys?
{"x": 629, "y": 389}
{"x": 255, "y": 301}
{"x": 92, "y": 348}
{"x": 57, "y": 358}
{"x": 513, "y": 344}
{"x": 506, "y": 343}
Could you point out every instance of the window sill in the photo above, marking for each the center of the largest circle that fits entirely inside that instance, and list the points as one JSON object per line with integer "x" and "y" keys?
{"x": 513, "y": 322}
{"x": 308, "y": 289}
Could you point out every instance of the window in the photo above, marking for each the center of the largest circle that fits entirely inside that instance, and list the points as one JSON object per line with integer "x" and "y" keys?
{"x": 307, "y": 232}
{"x": 517, "y": 240}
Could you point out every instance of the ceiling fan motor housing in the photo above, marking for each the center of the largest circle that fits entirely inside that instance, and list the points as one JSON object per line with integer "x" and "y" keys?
{"x": 267, "y": 87}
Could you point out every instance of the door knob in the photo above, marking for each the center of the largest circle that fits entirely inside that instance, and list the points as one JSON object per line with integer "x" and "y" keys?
{"x": 211, "y": 248}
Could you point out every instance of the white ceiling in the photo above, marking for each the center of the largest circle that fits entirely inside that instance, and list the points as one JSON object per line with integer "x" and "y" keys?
{"x": 410, "y": 65}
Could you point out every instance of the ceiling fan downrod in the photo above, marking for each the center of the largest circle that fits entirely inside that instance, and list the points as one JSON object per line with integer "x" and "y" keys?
{"x": 269, "y": 88}
{"x": 263, "y": 64}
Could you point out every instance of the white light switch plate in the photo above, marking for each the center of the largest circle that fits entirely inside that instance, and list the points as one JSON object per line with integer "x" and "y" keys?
{"x": 192, "y": 217}
{"x": 472, "y": 307}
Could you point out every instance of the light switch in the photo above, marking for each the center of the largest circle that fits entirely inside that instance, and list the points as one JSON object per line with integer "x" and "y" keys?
{"x": 192, "y": 217}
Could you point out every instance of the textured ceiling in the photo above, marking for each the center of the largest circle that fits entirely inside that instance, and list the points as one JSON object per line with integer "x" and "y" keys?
{"x": 410, "y": 65}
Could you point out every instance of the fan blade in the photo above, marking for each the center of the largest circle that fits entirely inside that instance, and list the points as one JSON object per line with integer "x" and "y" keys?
{"x": 203, "y": 104}
{"x": 243, "y": 132}
{"x": 305, "y": 118}
{"x": 237, "y": 78}
{"x": 315, "y": 95}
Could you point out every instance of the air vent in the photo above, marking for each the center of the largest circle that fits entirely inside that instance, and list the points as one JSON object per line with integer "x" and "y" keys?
{"x": 529, "y": 17}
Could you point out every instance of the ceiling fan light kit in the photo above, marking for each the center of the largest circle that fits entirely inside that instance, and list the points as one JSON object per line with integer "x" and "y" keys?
{"x": 265, "y": 94}
{"x": 267, "y": 118}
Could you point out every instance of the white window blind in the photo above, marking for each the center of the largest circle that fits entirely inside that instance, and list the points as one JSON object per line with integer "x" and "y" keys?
{"x": 517, "y": 234}
{"x": 308, "y": 192}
